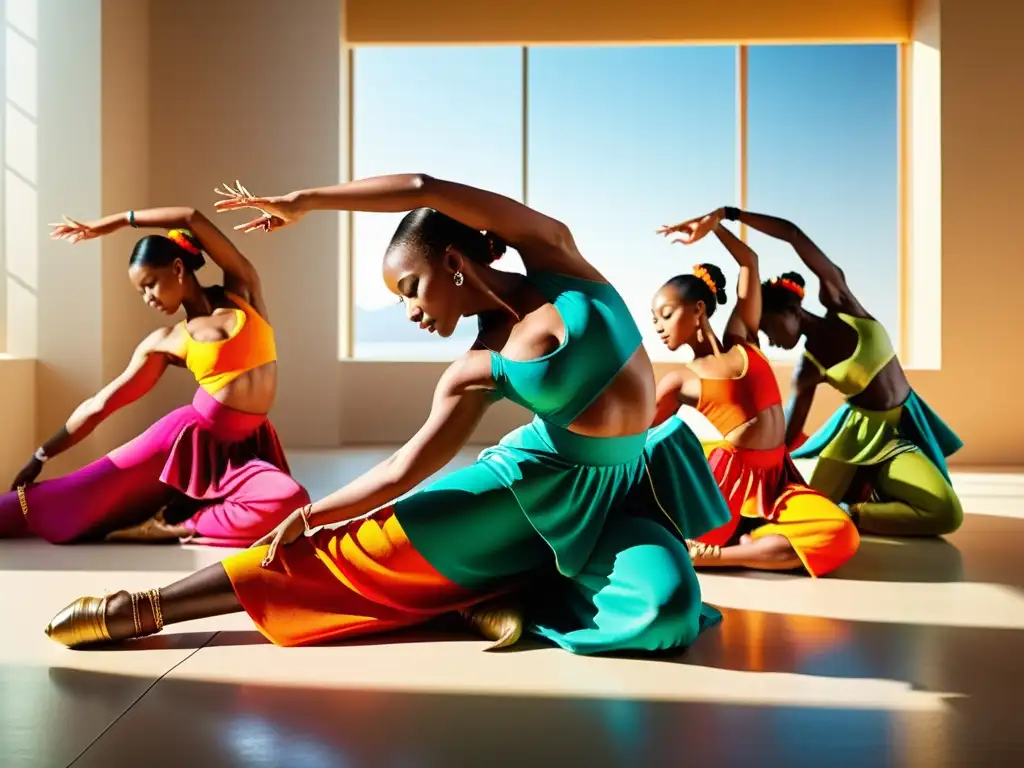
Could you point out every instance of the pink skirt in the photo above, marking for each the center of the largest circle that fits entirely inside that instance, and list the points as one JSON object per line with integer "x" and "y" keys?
{"x": 226, "y": 465}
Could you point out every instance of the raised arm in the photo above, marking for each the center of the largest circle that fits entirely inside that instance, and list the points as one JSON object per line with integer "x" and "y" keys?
{"x": 240, "y": 276}
{"x": 676, "y": 389}
{"x": 831, "y": 277}
{"x": 542, "y": 242}
{"x": 460, "y": 401}
{"x": 147, "y": 365}
{"x": 745, "y": 320}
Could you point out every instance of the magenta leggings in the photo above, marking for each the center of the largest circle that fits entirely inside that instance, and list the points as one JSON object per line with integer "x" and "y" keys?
{"x": 229, "y": 463}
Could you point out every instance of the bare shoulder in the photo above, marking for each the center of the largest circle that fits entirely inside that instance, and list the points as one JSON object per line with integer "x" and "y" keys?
{"x": 683, "y": 382}
{"x": 169, "y": 340}
{"x": 469, "y": 372}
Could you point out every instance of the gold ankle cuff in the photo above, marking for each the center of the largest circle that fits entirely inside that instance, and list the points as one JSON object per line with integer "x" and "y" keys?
{"x": 157, "y": 608}
{"x": 700, "y": 551}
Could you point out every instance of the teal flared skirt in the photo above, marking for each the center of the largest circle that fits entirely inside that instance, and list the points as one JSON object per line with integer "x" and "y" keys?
{"x": 606, "y": 517}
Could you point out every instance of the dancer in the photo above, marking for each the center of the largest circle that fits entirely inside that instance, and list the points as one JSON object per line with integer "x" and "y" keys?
{"x": 215, "y": 468}
{"x": 572, "y": 497}
{"x": 883, "y": 453}
{"x": 778, "y": 523}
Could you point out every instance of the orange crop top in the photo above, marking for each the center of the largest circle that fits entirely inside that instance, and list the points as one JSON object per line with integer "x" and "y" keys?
{"x": 731, "y": 403}
{"x": 215, "y": 364}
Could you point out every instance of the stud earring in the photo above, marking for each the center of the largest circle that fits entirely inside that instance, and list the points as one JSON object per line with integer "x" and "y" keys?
{"x": 458, "y": 278}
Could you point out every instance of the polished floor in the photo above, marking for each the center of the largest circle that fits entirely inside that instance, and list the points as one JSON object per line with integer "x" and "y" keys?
{"x": 908, "y": 656}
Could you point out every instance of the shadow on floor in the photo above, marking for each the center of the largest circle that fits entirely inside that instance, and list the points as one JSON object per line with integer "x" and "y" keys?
{"x": 225, "y": 724}
{"x": 205, "y": 722}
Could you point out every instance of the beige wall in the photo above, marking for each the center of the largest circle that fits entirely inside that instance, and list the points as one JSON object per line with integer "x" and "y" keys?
{"x": 640, "y": 22}
{"x": 192, "y": 93}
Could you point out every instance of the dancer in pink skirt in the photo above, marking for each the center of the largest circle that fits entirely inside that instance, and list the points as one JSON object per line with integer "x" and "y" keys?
{"x": 211, "y": 472}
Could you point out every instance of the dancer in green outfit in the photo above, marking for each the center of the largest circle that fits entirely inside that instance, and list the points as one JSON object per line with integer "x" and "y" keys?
{"x": 883, "y": 453}
{"x": 584, "y": 497}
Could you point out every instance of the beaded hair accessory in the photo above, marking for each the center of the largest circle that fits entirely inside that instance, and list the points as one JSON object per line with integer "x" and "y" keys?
{"x": 705, "y": 276}
{"x": 789, "y": 285}
{"x": 179, "y": 237}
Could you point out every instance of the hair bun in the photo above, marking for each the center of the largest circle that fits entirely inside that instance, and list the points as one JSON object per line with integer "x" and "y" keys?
{"x": 718, "y": 278}
{"x": 185, "y": 239}
{"x": 794, "y": 277}
{"x": 495, "y": 245}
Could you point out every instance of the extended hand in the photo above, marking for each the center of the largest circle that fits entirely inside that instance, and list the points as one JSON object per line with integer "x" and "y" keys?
{"x": 276, "y": 212}
{"x": 74, "y": 231}
{"x": 694, "y": 229}
{"x": 27, "y": 475}
{"x": 287, "y": 532}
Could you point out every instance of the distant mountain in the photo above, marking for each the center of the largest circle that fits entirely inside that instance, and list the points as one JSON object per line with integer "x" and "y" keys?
{"x": 390, "y": 325}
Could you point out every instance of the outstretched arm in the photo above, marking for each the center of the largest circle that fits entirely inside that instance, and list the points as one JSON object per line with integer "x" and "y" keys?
{"x": 543, "y": 242}
{"x": 745, "y": 320}
{"x": 240, "y": 275}
{"x": 459, "y": 403}
{"x": 831, "y": 277}
{"x": 146, "y": 367}
{"x": 805, "y": 380}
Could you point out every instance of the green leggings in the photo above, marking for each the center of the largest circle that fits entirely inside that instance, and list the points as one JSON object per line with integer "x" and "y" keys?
{"x": 919, "y": 500}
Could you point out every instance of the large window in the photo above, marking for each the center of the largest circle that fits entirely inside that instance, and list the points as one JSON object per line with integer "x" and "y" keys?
{"x": 455, "y": 113}
{"x": 823, "y": 143}
{"x": 622, "y": 140}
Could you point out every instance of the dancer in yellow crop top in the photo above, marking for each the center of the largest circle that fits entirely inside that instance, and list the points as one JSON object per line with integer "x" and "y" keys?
{"x": 213, "y": 471}
{"x": 883, "y": 453}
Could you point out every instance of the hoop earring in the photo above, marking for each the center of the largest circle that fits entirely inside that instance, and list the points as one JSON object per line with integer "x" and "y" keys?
{"x": 458, "y": 278}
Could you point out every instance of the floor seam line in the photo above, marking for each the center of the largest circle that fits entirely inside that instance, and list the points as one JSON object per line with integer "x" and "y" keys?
{"x": 140, "y": 697}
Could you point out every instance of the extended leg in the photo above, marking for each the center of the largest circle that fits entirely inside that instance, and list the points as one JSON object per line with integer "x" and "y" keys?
{"x": 124, "y": 615}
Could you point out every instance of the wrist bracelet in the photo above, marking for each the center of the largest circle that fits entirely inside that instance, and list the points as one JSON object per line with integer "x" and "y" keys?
{"x": 131, "y": 220}
{"x": 304, "y": 514}
{"x": 40, "y": 455}
{"x": 731, "y": 213}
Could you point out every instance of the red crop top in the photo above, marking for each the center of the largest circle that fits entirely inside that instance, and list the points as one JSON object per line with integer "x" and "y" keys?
{"x": 731, "y": 403}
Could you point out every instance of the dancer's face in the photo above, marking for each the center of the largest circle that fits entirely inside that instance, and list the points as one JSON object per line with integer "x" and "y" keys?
{"x": 782, "y": 328}
{"x": 162, "y": 288}
{"x": 427, "y": 288}
{"x": 675, "y": 320}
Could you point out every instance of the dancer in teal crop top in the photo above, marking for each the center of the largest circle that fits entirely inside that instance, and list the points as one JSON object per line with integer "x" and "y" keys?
{"x": 584, "y": 497}
{"x": 600, "y": 339}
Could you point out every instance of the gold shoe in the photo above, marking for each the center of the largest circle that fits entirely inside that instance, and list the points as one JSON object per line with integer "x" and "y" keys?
{"x": 84, "y": 622}
{"x": 500, "y": 623}
{"x": 154, "y": 530}
{"x": 700, "y": 551}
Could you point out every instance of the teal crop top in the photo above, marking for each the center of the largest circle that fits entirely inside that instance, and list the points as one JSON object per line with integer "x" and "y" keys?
{"x": 600, "y": 338}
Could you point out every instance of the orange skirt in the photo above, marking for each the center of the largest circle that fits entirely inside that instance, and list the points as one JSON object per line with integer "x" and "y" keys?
{"x": 765, "y": 490}
{"x": 361, "y": 578}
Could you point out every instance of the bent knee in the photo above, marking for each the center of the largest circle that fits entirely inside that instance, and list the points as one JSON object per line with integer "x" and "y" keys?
{"x": 946, "y": 516}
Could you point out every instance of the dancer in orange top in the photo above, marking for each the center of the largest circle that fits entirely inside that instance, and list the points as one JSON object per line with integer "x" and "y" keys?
{"x": 778, "y": 522}
{"x": 213, "y": 471}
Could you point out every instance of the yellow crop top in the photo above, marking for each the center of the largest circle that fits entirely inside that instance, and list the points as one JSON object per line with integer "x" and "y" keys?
{"x": 874, "y": 351}
{"x": 215, "y": 364}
